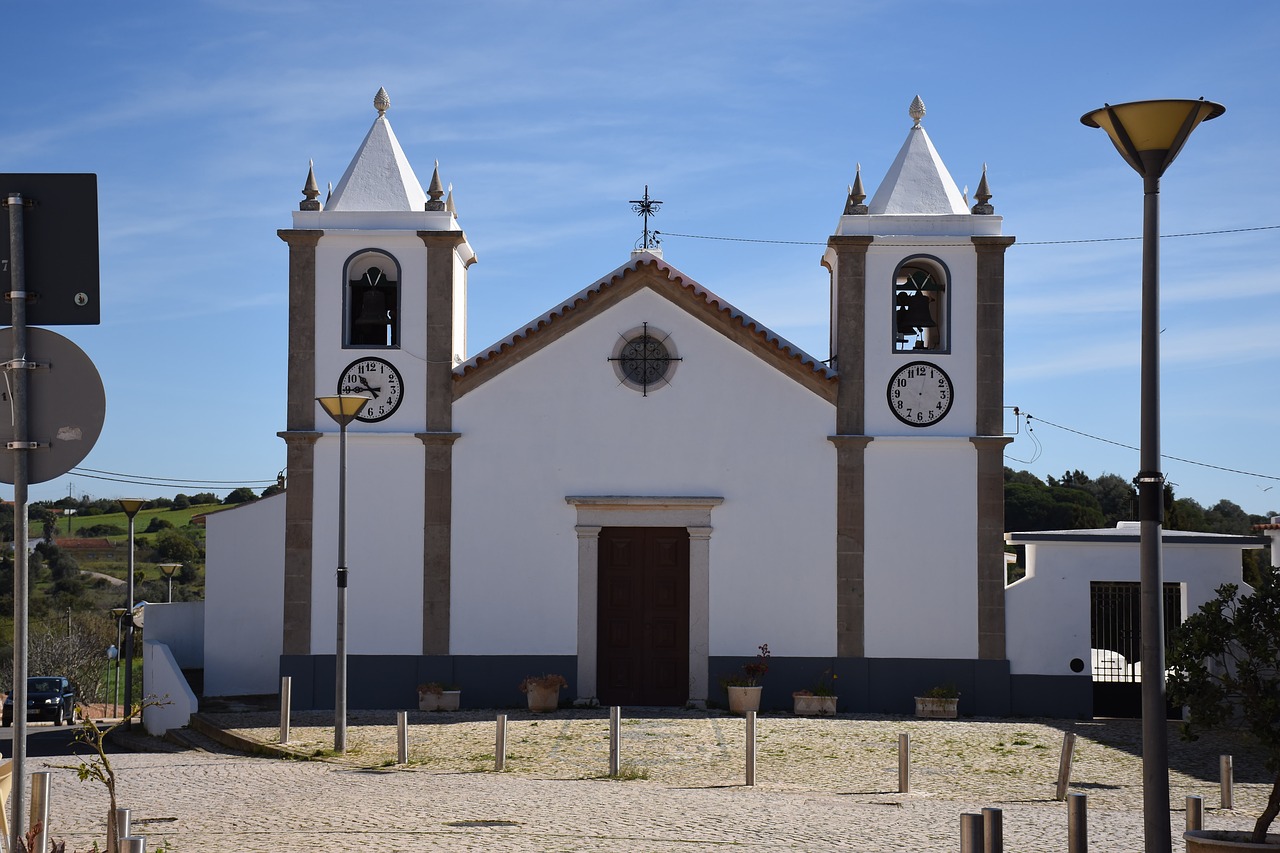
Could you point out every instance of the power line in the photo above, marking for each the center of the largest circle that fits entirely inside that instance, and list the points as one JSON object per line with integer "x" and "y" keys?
{"x": 1162, "y": 455}
{"x": 146, "y": 480}
{"x": 1020, "y": 242}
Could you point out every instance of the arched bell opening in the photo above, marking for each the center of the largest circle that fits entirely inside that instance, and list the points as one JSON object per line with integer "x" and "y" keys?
{"x": 372, "y": 315}
{"x": 921, "y": 321}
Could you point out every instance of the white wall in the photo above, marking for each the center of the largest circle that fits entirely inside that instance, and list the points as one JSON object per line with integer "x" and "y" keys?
{"x": 384, "y": 544}
{"x": 921, "y": 548}
{"x": 163, "y": 681}
{"x": 560, "y": 424}
{"x": 959, "y": 362}
{"x": 1047, "y": 611}
{"x": 180, "y": 626}
{"x": 244, "y": 597}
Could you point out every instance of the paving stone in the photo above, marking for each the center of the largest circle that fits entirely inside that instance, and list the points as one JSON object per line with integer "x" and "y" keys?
{"x": 822, "y": 784}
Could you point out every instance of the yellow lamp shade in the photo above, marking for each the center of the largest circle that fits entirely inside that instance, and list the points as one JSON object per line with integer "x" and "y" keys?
{"x": 1157, "y": 129}
{"x": 343, "y": 408}
{"x": 131, "y": 506}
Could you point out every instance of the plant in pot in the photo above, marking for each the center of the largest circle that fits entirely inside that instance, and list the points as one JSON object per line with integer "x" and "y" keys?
{"x": 434, "y": 696}
{"x": 543, "y": 691}
{"x": 1224, "y": 668}
{"x": 818, "y": 700}
{"x": 941, "y": 702}
{"x": 744, "y": 688}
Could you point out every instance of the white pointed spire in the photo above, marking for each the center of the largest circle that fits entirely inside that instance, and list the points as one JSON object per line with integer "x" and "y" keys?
{"x": 918, "y": 180}
{"x": 379, "y": 177}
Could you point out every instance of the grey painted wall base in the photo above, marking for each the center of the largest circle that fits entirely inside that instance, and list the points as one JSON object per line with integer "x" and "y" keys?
{"x": 864, "y": 685}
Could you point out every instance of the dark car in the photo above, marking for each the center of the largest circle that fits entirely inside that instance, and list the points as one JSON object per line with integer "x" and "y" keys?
{"x": 49, "y": 697}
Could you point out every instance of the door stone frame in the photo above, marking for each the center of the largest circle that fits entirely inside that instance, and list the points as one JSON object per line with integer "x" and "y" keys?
{"x": 691, "y": 513}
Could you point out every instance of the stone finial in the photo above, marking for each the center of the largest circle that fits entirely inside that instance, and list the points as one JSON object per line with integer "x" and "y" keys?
{"x": 448, "y": 203}
{"x": 983, "y": 195}
{"x": 436, "y": 190}
{"x": 916, "y": 110}
{"x": 310, "y": 190}
{"x": 381, "y": 101}
{"x": 853, "y": 206}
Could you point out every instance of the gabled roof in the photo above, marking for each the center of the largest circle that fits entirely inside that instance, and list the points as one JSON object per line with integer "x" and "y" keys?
{"x": 379, "y": 177}
{"x": 918, "y": 181}
{"x": 647, "y": 270}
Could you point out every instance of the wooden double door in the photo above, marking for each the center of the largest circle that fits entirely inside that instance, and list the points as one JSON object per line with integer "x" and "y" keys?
{"x": 643, "y": 612}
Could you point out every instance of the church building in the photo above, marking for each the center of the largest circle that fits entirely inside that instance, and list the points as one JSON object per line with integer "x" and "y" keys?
{"x": 643, "y": 485}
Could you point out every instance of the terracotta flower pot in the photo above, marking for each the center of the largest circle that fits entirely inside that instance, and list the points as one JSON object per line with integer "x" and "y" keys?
{"x": 927, "y": 706}
{"x": 1218, "y": 841}
{"x": 543, "y": 699}
{"x": 743, "y": 699}
{"x": 807, "y": 705}
{"x": 445, "y": 700}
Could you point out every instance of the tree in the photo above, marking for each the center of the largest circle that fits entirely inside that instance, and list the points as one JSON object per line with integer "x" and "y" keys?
{"x": 1224, "y": 663}
{"x": 157, "y": 524}
{"x": 244, "y": 494}
{"x": 175, "y": 546}
{"x": 181, "y": 501}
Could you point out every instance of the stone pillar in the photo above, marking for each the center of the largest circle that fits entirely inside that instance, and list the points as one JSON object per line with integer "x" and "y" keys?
{"x": 437, "y": 539}
{"x": 300, "y": 439}
{"x": 699, "y": 615}
{"x": 588, "y": 610}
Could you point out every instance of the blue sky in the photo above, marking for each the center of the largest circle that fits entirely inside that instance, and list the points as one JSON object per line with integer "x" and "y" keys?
{"x": 746, "y": 118}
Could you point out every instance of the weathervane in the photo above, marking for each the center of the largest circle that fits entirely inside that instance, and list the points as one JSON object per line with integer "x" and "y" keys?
{"x": 646, "y": 207}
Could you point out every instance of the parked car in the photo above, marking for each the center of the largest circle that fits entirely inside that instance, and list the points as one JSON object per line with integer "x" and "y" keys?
{"x": 49, "y": 697}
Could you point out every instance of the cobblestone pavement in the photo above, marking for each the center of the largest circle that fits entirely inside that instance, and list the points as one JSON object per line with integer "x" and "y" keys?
{"x": 821, "y": 784}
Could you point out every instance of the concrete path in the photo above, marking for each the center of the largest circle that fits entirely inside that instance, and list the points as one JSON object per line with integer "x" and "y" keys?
{"x": 821, "y": 785}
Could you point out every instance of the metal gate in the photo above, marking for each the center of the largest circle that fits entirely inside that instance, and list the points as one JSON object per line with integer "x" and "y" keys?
{"x": 1115, "y": 619}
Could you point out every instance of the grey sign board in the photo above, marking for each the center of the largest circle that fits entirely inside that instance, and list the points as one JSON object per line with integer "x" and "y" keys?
{"x": 61, "y": 248}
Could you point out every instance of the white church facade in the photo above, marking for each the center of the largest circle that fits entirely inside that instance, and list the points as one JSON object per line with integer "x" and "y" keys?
{"x": 638, "y": 488}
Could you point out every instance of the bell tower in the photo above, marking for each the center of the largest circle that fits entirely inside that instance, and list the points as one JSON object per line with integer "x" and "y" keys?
{"x": 377, "y": 305}
{"x": 917, "y": 314}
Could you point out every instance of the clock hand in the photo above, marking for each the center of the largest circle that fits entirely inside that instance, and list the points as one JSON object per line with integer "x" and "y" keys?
{"x": 365, "y": 382}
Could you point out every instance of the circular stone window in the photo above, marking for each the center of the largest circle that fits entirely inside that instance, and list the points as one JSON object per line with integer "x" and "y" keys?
{"x": 644, "y": 359}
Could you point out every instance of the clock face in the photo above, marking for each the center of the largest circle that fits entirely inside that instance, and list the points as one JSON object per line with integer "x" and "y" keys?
{"x": 377, "y": 378}
{"x": 920, "y": 394}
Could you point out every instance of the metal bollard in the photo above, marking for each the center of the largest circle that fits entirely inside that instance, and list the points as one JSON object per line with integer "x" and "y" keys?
{"x": 1064, "y": 765}
{"x": 751, "y": 748}
{"x": 500, "y": 748}
{"x": 133, "y": 844}
{"x": 1195, "y": 813}
{"x": 970, "y": 832}
{"x": 615, "y": 740}
{"x": 1224, "y": 769}
{"x": 402, "y": 737}
{"x": 40, "y": 809}
{"x": 992, "y": 830}
{"x": 1077, "y": 823}
{"x": 286, "y": 705}
{"x": 122, "y": 824}
{"x": 904, "y": 764}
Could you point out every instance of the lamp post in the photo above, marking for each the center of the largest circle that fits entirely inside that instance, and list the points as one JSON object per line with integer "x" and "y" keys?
{"x": 118, "y": 613}
{"x": 168, "y": 569}
{"x": 343, "y": 408}
{"x": 131, "y": 507}
{"x": 1149, "y": 135}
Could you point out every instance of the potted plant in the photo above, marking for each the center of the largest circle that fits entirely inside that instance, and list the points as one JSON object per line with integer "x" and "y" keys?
{"x": 744, "y": 689}
{"x": 543, "y": 691}
{"x": 818, "y": 700}
{"x": 1224, "y": 668}
{"x": 939, "y": 702}
{"x": 434, "y": 696}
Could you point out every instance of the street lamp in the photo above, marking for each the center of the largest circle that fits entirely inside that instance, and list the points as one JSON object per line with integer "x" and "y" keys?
{"x": 131, "y": 507}
{"x": 1149, "y": 135}
{"x": 343, "y": 408}
{"x": 118, "y": 613}
{"x": 169, "y": 569}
